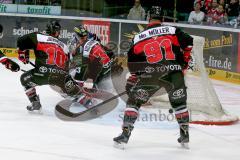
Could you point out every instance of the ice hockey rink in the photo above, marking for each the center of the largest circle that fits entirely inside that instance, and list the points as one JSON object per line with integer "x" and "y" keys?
{"x": 25, "y": 136}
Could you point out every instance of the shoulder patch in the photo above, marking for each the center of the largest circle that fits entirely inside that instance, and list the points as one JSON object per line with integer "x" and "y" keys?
{"x": 88, "y": 47}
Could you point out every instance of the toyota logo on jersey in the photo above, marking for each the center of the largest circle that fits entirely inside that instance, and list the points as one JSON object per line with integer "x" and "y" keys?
{"x": 43, "y": 69}
{"x": 178, "y": 93}
{"x": 149, "y": 69}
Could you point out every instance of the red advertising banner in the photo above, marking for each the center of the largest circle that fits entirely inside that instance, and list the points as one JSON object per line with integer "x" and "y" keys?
{"x": 100, "y": 28}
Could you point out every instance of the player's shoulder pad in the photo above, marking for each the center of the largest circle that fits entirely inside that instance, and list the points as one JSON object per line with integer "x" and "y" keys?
{"x": 43, "y": 38}
{"x": 153, "y": 32}
{"x": 87, "y": 47}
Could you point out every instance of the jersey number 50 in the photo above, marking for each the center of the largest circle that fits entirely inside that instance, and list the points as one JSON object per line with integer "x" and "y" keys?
{"x": 153, "y": 51}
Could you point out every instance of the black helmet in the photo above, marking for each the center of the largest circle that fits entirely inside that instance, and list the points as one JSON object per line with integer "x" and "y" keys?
{"x": 80, "y": 31}
{"x": 1, "y": 28}
{"x": 156, "y": 12}
{"x": 53, "y": 27}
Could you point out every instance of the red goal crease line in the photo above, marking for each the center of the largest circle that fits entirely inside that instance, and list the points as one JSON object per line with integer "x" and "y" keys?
{"x": 219, "y": 123}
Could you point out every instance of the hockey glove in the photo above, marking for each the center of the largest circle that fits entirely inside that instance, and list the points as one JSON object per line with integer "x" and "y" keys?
{"x": 11, "y": 65}
{"x": 23, "y": 56}
{"x": 131, "y": 82}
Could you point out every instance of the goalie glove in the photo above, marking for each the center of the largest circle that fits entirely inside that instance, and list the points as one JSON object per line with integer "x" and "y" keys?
{"x": 23, "y": 56}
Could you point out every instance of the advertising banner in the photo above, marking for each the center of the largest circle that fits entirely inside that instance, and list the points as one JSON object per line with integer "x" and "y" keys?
{"x": 100, "y": 28}
{"x": 39, "y": 9}
{"x": 8, "y": 8}
{"x": 30, "y": 9}
{"x": 221, "y": 50}
{"x": 14, "y": 27}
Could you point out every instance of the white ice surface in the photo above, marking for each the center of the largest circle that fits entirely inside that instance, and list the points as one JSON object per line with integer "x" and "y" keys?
{"x": 25, "y": 136}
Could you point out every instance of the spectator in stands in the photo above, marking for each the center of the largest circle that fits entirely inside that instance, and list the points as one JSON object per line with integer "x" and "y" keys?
{"x": 196, "y": 16}
{"x": 137, "y": 12}
{"x": 232, "y": 9}
{"x": 212, "y": 13}
{"x": 208, "y": 4}
{"x": 221, "y": 17}
{"x": 223, "y": 3}
{"x": 205, "y": 5}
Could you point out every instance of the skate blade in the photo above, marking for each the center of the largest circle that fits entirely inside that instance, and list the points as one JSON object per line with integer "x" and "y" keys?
{"x": 37, "y": 112}
{"x": 185, "y": 145}
{"x": 119, "y": 145}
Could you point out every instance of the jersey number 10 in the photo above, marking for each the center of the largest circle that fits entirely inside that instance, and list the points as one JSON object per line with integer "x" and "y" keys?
{"x": 56, "y": 56}
{"x": 154, "y": 51}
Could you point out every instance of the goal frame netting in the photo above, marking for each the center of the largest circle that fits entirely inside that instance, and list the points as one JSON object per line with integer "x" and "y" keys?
{"x": 203, "y": 102}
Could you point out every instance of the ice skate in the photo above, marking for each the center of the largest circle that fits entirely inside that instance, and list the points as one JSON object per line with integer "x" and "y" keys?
{"x": 121, "y": 140}
{"x": 35, "y": 106}
{"x": 184, "y": 136}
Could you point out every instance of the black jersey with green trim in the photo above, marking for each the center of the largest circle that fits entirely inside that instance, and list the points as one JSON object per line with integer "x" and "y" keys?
{"x": 49, "y": 51}
{"x": 158, "y": 45}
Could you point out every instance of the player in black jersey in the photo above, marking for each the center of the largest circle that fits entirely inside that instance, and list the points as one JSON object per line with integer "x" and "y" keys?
{"x": 9, "y": 64}
{"x": 51, "y": 63}
{"x": 156, "y": 60}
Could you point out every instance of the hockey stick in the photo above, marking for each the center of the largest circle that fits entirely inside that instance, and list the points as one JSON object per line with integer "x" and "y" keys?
{"x": 63, "y": 112}
{"x": 23, "y": 70}
{"x": 110, "y": 99}
{"x": 32, "y": 64}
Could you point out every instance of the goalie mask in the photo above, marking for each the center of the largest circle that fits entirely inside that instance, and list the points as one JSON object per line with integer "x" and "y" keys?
{"x": 80, "y": 31}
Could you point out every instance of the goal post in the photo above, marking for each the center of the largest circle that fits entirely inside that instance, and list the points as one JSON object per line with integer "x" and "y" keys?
{"x": 203, "y": 102}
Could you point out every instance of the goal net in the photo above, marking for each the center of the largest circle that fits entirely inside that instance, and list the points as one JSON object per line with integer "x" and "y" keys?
{"x": 202, "y": 101}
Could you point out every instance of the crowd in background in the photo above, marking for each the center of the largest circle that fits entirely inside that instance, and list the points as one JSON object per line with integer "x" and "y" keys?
{"x": 215, "y": 12}
{"x": 200, "y": 12}
{"x": 207, "y": 12}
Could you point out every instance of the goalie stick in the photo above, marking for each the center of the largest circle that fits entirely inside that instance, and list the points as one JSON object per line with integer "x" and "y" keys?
{"x": 62, "y": 109}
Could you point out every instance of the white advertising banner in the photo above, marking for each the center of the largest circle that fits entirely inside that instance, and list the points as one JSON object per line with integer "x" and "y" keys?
{"x": 8, "y": 8}
{"x": 30, "y": 9}
{"x": 39, "y": 9}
